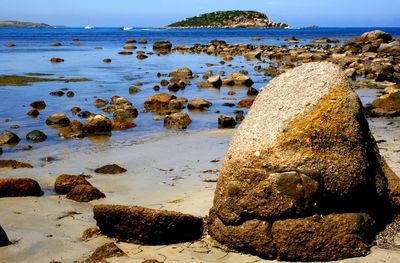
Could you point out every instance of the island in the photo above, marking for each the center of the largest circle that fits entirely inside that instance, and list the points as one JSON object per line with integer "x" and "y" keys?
{"x": 229, "y": 19}
{"x": 11, "y": 24}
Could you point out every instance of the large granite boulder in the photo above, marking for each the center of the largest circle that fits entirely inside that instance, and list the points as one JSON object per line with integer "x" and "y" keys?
{"x": 147, "y": 226}
{"x": 304, "y": 149}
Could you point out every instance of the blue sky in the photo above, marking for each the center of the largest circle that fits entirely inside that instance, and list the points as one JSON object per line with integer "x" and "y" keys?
{"x": 342, "y": 13}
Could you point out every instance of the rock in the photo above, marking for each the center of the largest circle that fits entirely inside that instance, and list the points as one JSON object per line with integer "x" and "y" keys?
{"x": 3, "y": 238}
{"x": 98, "y": 124}
{"x": 156, "y": 88}
{"x": 141, "y": 56}
{"x": 70, "y": 94}
{"x": 129, "y": 47}
{"x": 57, "y": 44}
{"x": 241, "y": 80}
{"x": 174, "y": 87}
{"x": 246, "y": 103}
{"x": 125, "y": 114}
{"x": 158, "y": 102}
{"x": 293, "y": 40}
{"x": 98, "y": 103}
{"x": 110, "y": 169}
{"x": 181, "y": 73}
{"x": 66, "y": 182}
{"x": 253, "y": 55}
{"x": 58, "y": 93}
{"x": 75, "y": 110}
{"x": 178, "y": 120}
{"x": 107, "y": 60}
{"x": 36, "y": 136}
{"x": 10, "y": 45}
{"x": 147, "y": 226}
{"x": 226, "y": 122}
{"x": 130, "y": 41}
{"x": 304, "y": 149}
{"x": 7, "y": 137}
{"x": 14, "y": 164}
{"x": 121, "y": 126}
{"x": 151, "y": 261}
{"x": 375, "y": 35}
{"x": 73, "y": 131}
{"x": 199, "y": 104}
{"x": 109, "y": 250}
{"x": 85, "y": 193}
{"x": 239, "y": 116}
{"x": 252, "y": 92}
{"x": 143, "y": 41}
{"x": 162, "y": 45}
{"x": 336, "y": 237}
{"x": 215, "y": 81}
{"x": 58, "y": 119}
{"x": 164, "y": 82}
{"x": 19, "y": 187}
{"x": 387, "y": 105}
{"x": 56, "y": 60}
{"x": 90, "y": 233}
{"x": 125, "y": 53}
{"x": 177, "y": 104}
{"x": 39, "y": 104}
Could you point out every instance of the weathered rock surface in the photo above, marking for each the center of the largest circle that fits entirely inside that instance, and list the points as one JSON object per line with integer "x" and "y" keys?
{"x": 102, "y": 253}
{"x": 85, "y": 193}
{"x": 180, "y": 120}
{"x": 3, "y": 238}
{"x": 18, "y": 187}
{"x": 147, "y": 226}
{"x": 304, "y": 149}
{"x": 162, "y": 46}
{"x": 66, "y": 182}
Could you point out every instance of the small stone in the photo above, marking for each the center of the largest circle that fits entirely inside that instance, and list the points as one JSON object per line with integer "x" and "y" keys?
{"x": 107, "y": 60}
{"x": 110, "y": 169}
{"x": 56, "y": 60}
{"x": 33, "y": 113}
{"x": 90, "y": 233}
{"x": 36, "y": 136}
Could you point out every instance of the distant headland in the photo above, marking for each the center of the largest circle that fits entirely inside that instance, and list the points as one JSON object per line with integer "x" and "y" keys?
{"x": 23, "y": 24}
{"x": 229, "y": 19}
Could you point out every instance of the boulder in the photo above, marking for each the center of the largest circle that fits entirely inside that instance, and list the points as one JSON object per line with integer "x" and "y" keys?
{"x": 97, "y": 124}
{"x": 158, "y": 102}
{"x": 162, "y": 45}
{"x": 180, "y": 120}
{"x": 246, "y": 103}
{"x": 110, "y": 169}
{"x": 304, "y": 149}
{"x": 241, "y": 79}
{"x": 375, "y": 35}
{"x": 72, "y": 131}
{"x": 226, "y": 122}
{"x": 7, "y": 137}
{"x": 147, "y": 226}
{"x": 387, "y": 105}
{"x": 3, "y": 238}
{"x": 102, "y": 253}
{"x": 58, "y": 119}
{"x": 39, "y": 104}
{"x": 253, "y": 55}
{"x": 66, "y": 182}
{"x": 215, "y": 81}
{"x": 252, "y": 92}
{"x": 199, "y": 104}
{"x": 182, "y": 73}
{"x": 36, "y": 136}
{"x": 14, "y": 164}
{"x": 19, "y": 187}
{"x": 85, "y": 193}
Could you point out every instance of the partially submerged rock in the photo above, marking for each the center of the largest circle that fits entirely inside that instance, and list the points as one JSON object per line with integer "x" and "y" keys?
{"x": 98, "y": 124}
{"x": 58, "y": 119}
{"x": 199, "y": 104}
{"x": 19, "y": 187}
{"x": 180, "y": 120}
{"x": 36, "y": 136}
{"x": 147, "y": 226}
{"x": 8, "y": 137}
{"x": 3, "y": 238}
{"x": 110, "y": 169}
{"x": 304, "y": 150}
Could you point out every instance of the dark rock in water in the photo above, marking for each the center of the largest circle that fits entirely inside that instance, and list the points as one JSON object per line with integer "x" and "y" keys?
{"x": 215, "y": 81}
{"x": 129, "y": 46}
{"x": 58, "y": 119}
{"x": 36, "y": 136}
{"x": 304, "y": 150}
{"x": 120, "y": 126}
{"x": 178, "y": 120}
{"x": 336, "y": 236}
{"x": 70, "y": 94}
{"x": 97, "y": 124}
{"x": 147, "y": 226}
{"x": 19, "y": 187}
{"x": 109, "y": 250}
{"x": 110, "y": 169}
{"x": 125, "y": 53}
{"x": 229, "y": 104}
{"x": 156, "y": 88}
{"x": 130, "y": 41}
{"x": 98, "y": 103}
{"x": 134, "y": 90}
{"x": 141, "y": 56}
{"x": 246, "y": 103}
{"x": 75, "y": 110}
{"x": 252, "y": 92}
{"x": 56, "y": 60}
{"x": 199, "y": 104}
{"x": 107, "y": 60}
{"x": 66, "y": 182}
{"x": 226, "y": 122}
{"x": 73, "y": 131}
{"x": 57, "y": 44}
{"x": 174, "y": 87}
{"x": 40, "y": 104}
{"x": 7, "y": 137}
{"x": 14, "y": 164}
{"x": 85, "y": 193}
{"x": 239, "y": 116}
{"x": 143, "y": 41}
{"x": 158, "y": 102}
{"x": 85, "y": 114}
{"x": 162, "y": 45}
{"x": 181, "y": 73}
{"x": 33, "y": 113}
{"x": 3, "y": 238}
{"x": 58, "y": 93}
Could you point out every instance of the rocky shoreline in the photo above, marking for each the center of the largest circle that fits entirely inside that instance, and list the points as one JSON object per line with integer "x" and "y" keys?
{"x": 18, "y": 24}
{"x": 298, "y": 165}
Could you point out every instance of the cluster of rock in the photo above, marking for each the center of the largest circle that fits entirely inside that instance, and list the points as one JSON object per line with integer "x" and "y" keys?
{"x": 77, "y": 188}
{"x": 302, "y": 179}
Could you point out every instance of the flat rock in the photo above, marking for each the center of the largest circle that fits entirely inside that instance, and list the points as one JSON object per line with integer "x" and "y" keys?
{"x": 102, "y": 253}
{"x": 110, "y": 169}
{"x": 19, "y": 187}
{"x": 147, "y": 226}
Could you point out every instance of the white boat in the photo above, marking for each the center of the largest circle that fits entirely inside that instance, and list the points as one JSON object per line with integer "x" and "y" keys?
{"x": 88, "y": 27}
{"x": 125, "y": 28}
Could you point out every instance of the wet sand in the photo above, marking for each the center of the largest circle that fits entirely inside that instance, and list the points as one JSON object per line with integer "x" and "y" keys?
{"x": 176, "y": 172}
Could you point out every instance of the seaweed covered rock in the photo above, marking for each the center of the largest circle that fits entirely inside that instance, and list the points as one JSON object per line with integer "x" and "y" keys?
{"x": 19, "y": 187}
{"x": 304, "y": 149}
{"x": 147, "y": 226}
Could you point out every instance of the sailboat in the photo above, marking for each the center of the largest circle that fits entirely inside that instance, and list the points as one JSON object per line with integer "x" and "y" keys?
{"x": 88, "y": 27}
{"x": 126, "y": 28}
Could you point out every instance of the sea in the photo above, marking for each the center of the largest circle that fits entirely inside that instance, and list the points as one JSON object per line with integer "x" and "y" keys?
{"x": 33, "y": 51}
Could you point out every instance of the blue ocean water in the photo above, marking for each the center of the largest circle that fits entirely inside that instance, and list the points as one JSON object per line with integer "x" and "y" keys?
{"x": 33, "y": 52}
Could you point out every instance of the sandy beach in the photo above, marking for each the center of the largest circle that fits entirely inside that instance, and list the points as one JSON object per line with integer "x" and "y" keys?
{"x": 177, "y": 173}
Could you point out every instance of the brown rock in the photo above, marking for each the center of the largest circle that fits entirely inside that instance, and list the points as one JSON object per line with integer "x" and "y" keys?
{"x": 107, "y": 60}
{"x": 40, "y": 104}
{"x": 252, "y": 92}
{"x": 199, "y": 104}
{"x": 72, "y": 131}
{"x": 387, "y": 105}
{"x": 125, "y": 53}
{"x": 3, "y": 238}
{"x": 215, "y": 81}
{"x": 66, "y": 182}
{"x": 90, "y": 233}
{"x": 85, "y": 193}
{"x": 162, "y": 45}
{"x": 7, "y": 137}
{"x": 182, "y": 73}
{"x": 33, "y": 113}
{"x": 98, "y": 124}
{"x": 158, "y": 102}
{"x": 178, "y": 120}
{"x": 58, "y": 119}
{"x": 335, "y": 237}
{"x": 75, "y": 110}
{"x": 56, "y": 60}
{"x": 101, "y": 254}
{"x": 121, "y": 126}
{"x": 147, "y": 226}
{"x": 226, "y": 122}
{"x": 143, "y": 41}
{"x": 110, "y": 169}
{"x": 246, "y": 103}
{"x": 19, "y": 187}
{"x": 14, "y": 164}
